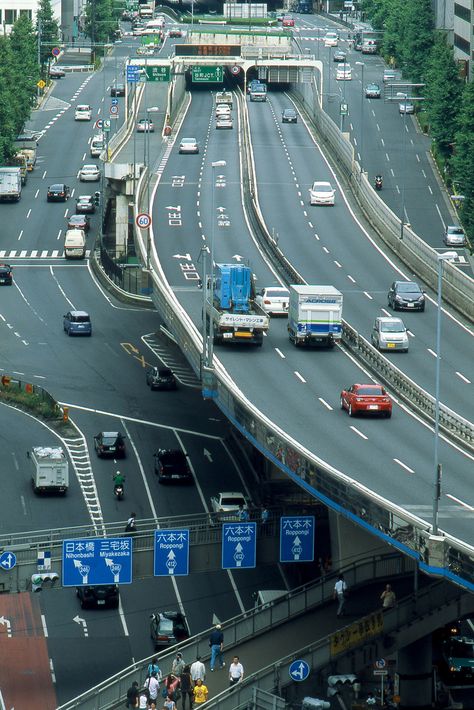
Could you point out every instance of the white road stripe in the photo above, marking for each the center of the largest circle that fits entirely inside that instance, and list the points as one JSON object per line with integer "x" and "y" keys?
{"x": 459, "y": 374}
{"x": 356, "y": 431}
{"x": 283, "y": 357}
{"x": 457, "y": 500}
{"x": 328, "y": 406}
{"x": 403, "y": 465}
{"x": 300, "y": 377}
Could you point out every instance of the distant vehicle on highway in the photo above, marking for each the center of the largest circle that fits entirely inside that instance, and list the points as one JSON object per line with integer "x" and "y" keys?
{"x": 144, "y": 125}
{"x": 224, "y": 121}
{"x": 274, "y": 300}
{"x": 171, "y": 466}
{"x": 339, "y": 56}
{"x": 454, "y": 236}
{"x": 89, "y": 173}
{"x": 406, "y": 295}
{"x": 406, "y": 107}
{"x": 344, "y": 72}
{"x": 322, "y": 193}
{"x": 226, "y": 505}
{"x": 77, "y": 323}
{"x": 78, "y": 221}
{"x": 372, "y": 91}
{"x": 85, "y": 204}
{"x": 389, "y": 334}
{"x": 367, "y": 399}
{"x": 331, "y": 39}
{"x": 6, "y": 275}
{"x": 58, "y": 192}
{"x": 83, "y": 112}
{"x": 168, "y": 628}
{"x": 188, "y": 145}
{"x": 161, "y": 378}
{"x": 289, "y": 115}
{"x": 56, "y": 72}
{"x": 110, "y": 443}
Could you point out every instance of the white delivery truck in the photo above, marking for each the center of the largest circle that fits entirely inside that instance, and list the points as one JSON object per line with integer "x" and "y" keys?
{"x": 315, "y": 315}
{"x": 75, "y": 244}
{"x": 10, "y": 184}
{"x": 50, "y": 469}
{"x": 225, "y": 97}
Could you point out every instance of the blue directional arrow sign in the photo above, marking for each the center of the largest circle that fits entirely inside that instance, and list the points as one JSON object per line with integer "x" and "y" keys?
{"x": 299, "y": 670}
{"x": 297, "y": 538}
{"x": 114, "y": 102}
{"x": 133, "y": 73}
{"x": 7, "y": 560}
{"x": 92, "y": 561}
{"x": 239, "y": 545}
{"x": 171, "y": 553}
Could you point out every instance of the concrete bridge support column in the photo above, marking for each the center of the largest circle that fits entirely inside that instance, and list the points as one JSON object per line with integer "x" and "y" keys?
{"x": 415, "y": 673}
{"x": 350, "y": 542}
{"x": 121, "y": 223}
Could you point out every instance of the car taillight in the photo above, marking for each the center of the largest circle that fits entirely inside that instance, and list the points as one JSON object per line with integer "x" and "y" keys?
{"x": 267, "y": 302}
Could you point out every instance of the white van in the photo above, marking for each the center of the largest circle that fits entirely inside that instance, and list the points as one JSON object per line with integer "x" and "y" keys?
{"x": 75, "y": 244}
{"x": 83, "y": 112}
{"x": 97, "y": 145}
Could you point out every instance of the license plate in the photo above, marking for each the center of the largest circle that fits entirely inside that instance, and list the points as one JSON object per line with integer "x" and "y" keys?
{"x": 390, "y": 345}
{"x": 410, "y": 305}
{"x": 228, "y": 335}
{"x": 3, "y": 281}
{"x": 111, "y": 448}
{"x": 373, "y": 406}
{"x": 100, "y": 602}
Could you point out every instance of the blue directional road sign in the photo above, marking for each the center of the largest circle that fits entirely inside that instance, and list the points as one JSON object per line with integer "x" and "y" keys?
{"x": 171, "y": 553}
{"x": 299, "y": 670}
{"x": 7, "y": 560}
{"x": 133, "y": 73}
{"x": 239, "y": 545}
{"x": 114, "y": 102}
{"x": 93, "y": 561}
{"x": 297, "y": 538}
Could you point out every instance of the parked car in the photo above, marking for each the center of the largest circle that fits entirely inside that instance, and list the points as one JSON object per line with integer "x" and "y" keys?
{"x": 289, "y": 115}
{"x": 171, "y": 465}
{"x": 58, "y": 192}
{"x": 274, "y": 300}
{"x": 372, "y": 91}
{"x": 100, "y": 596}
{"x": 89, "y": 173}
{"x": 168, "y": 628}
{"x": 322, "y": 193}
{"x": 454, "y": 236}
{"x": 161, "y": 378}
{"x": 110, "y": 443}
{"x": 368, "y": 399}
{"x": 77, "y": 323}
{"x": 389, "y": 334}
{"x": 406, "y": 295}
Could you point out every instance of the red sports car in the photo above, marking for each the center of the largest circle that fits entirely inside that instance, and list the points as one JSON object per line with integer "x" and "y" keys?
{"x": 371, "y": 399}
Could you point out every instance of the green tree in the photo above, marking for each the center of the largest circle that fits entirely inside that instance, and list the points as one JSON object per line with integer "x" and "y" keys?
{"x": 418, "y": 38}
{"x": 25, "y": 69}
{"x": 101, "y": 19}
{"x": 443, "y": 94}
{"x": 8, "y": 105}
{"x": 48, "y": 30}
{"x": 393, "y": 23}
{"x": 463, "y": 159}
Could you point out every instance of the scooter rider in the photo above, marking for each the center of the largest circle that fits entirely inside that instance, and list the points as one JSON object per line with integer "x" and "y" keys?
{"x": 378, "y": 182}
{"x": 118, "y": 480}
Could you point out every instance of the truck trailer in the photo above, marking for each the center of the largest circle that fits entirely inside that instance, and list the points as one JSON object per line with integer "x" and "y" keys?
{"x": 315, "y": 315}
{"x": 10, "y": 184}
{"x": 50, "y": 472}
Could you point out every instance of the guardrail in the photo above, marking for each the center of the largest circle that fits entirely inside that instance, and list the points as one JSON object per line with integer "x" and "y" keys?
{"x": 112, "y": 691}
{"x": 76, "y": 67}
{"x": 332, "y": 487}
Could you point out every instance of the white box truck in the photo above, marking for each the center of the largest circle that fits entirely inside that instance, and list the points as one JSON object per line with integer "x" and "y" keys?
{"x": 50, "y": 469}
{"x": 75, "y": 244}
{"x": 10, "y": 184}
{"x": 315, "y": 315}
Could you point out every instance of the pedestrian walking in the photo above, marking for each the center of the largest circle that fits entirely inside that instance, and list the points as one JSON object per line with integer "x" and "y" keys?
{"x": 198, "y": 670}
{"x": 200, "y": 692}
{"x": 370, "y": 701}
{"x": 153, "y": 686}
{"x": 264, "y": 516}
{"x": 388, "y": 598}
{"x": 236, "y": 671}
{"x": 171, "y": 686}
{"x": 132, "y": 696}
{"x": 339, "y": 594}
{"x": 186, "y": 687}
{"x": 178, "y": 664}
{"x": 143, "y": 699}
{"x": 131, "y": 526}
{"x": 153, "y": 666}
{"x": 243, "y": 514}
{"x": 216, "y": 642}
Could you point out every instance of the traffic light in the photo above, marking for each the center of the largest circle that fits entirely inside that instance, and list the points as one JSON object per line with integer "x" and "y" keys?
{"x": 38, "y": 579}
{"x": 335, "y": 683}
{"x": 97, "y": 198}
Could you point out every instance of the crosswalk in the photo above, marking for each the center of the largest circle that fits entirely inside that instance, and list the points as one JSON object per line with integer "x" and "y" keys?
{"x": 10, "y": 255}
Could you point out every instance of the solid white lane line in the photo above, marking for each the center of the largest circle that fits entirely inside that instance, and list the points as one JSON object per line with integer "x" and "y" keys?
{"x": 459, "y": 374}
{"x": 300, "y": 377}
{"x": 280, "y": 353}
{"x": 461, "y": 502}
{"x": 328, "y": 406}
{"x": 440, "y": 216}
{"x": 356, "y": 431}
{"x": 403, "y": 465}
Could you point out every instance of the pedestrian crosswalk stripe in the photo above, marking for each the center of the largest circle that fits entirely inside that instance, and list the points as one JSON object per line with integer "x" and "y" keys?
{"x": 24, "y": 254}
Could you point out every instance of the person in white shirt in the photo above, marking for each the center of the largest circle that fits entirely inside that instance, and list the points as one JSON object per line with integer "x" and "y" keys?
{"x": 340, "y": 589}
{"x": 153, "y": 685}
{"x": 198, "y": 670}
{"x": 236, "y": 671}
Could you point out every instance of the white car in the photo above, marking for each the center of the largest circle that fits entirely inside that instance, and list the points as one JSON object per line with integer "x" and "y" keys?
{"x": 454, "y": 236}
{"x": 389, "y": 334}
{"x": 322, "y": 193}
{"x": 226, "y": 505}
{"x": 343, "y": 72}
{"x": 188, "y": 145}
{"x": 274, "y": 300}
{"x": 331, "y": 39}
{"x": 89, "y": 173}
{"x": 224, "y": 121}
{"x": 222, "y": 110}
{"x": 83, "y": 112}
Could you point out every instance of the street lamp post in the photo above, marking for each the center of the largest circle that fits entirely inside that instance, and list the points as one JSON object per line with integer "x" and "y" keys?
{"x": 446, "y": 256}
{"x": 361, "y": 137}
{"x": 402, "y": 221}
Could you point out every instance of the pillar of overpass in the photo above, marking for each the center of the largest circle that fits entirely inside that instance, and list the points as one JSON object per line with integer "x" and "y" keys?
{"x": 121, "y": 223}
{"x": 415, "y": 670}
{"x": 350, "y": 542}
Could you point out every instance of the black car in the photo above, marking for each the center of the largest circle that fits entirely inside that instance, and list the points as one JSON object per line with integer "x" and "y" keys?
{"x": 289, "y": 115}
{"x": 6, "y": 275}
{"x": 95, "y": 597}
{"x": 168, "y": 628}
{"x": 172, "y": 465}
{"x": 58, "y": 193}
{"x": 117, "y": 90}
{"x": 161, "y": 378}
{"x": 339, "y": 56}
{"x": 406, "y": 295}
{"x": 110, "y": 443}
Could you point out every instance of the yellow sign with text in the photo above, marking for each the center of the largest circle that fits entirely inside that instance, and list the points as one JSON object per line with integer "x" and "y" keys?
{"x": 357, "y": 633}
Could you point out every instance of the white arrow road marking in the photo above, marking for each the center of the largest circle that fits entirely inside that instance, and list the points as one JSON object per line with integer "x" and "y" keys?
{"x": 207, "y": 454}
{"x": 7, "y": 623}
{"x": 78, "y": 620}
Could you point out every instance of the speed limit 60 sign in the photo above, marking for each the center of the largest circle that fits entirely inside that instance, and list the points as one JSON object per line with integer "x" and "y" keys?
{"x": 143, "y": 220}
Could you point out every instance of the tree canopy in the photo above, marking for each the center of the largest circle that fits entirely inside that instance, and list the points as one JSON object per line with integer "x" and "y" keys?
{"x": 101, "y": 19}
{"x": 463, "y": 159}
{"x": 47, "y": 28}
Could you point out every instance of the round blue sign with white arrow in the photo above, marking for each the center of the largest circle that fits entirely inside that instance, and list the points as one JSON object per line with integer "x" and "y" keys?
{"x": 7, "y": 560}
{"x": 299, "y": 670}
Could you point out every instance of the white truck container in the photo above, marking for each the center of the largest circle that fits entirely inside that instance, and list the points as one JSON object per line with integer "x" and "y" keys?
{"x": 224, "y": 97}
{"x": 10, "y": 184}
{"x": 75, "y": 244}
{"x": 315, "y": 315}
{"x": 50, "y": 469}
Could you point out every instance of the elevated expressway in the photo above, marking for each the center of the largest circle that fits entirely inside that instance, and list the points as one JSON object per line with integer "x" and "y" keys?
{"x": 286, "y": 402}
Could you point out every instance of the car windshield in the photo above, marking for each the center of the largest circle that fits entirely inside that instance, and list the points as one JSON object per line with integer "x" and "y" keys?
{"x": 166, "y": 627}
{"x": 322, "y": 187}
{"x": 455, "y": 230}
{"x": 232, "y": 501}
{"x": 276, "y": 294}
{"x": 408, "y": 288}
{"x": 461, "y": 649}
{"x": 392, "y": 327}
{"x": 80, "y": 319}
{"x": 172, "y": 459}
{"x": 369, "y": 391}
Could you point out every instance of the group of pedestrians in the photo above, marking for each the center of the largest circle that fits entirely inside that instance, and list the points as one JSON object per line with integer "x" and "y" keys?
{"x": 388, "y": 596}
{"x": 185, "y": 683}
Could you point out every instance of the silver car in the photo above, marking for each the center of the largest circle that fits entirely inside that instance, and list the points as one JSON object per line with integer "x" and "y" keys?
{"x": 188, "y": 145}
{"x": 389, "y": 334}
{"x": 454, "y": 236}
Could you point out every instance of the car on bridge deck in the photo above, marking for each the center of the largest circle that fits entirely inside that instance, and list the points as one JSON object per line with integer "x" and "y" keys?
{"x": 274, "y": 300}
{"x": 406, "y": 295}
{"x": 322, "y": 193}
{"x": 227, "y": 505}
{"x": 289, "y": 115}
{"x": 367, "y": 399}
{"x": 188, "y": 145}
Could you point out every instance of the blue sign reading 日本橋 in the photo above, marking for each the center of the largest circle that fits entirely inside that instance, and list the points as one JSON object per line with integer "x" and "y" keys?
{"x": 297, "y": 538}
{"x": 171, "y": 553}
{"x": 239, "y": 545}
{"x": 93, "y": 561}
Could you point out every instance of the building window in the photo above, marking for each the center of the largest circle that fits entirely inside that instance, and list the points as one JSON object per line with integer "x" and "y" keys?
{"x": 463, "y": 12}
{"x": 462, "y": 44}
{"x": 10, "y": 17}
{"x": 28, "y": 13}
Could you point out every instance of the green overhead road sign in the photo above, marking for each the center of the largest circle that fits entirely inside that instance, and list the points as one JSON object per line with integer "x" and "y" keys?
{"x": 157, "y": 73}
{"x": 205, "y": 74}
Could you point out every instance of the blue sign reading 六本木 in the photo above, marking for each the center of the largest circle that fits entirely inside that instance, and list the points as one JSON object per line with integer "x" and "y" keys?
{"x": 239, "y": 545}
{"x": 93, "y": 561}
{"x": 297, "y": 538}
{"x": 171, "y": 553}
{"x": 299, "y": 670}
